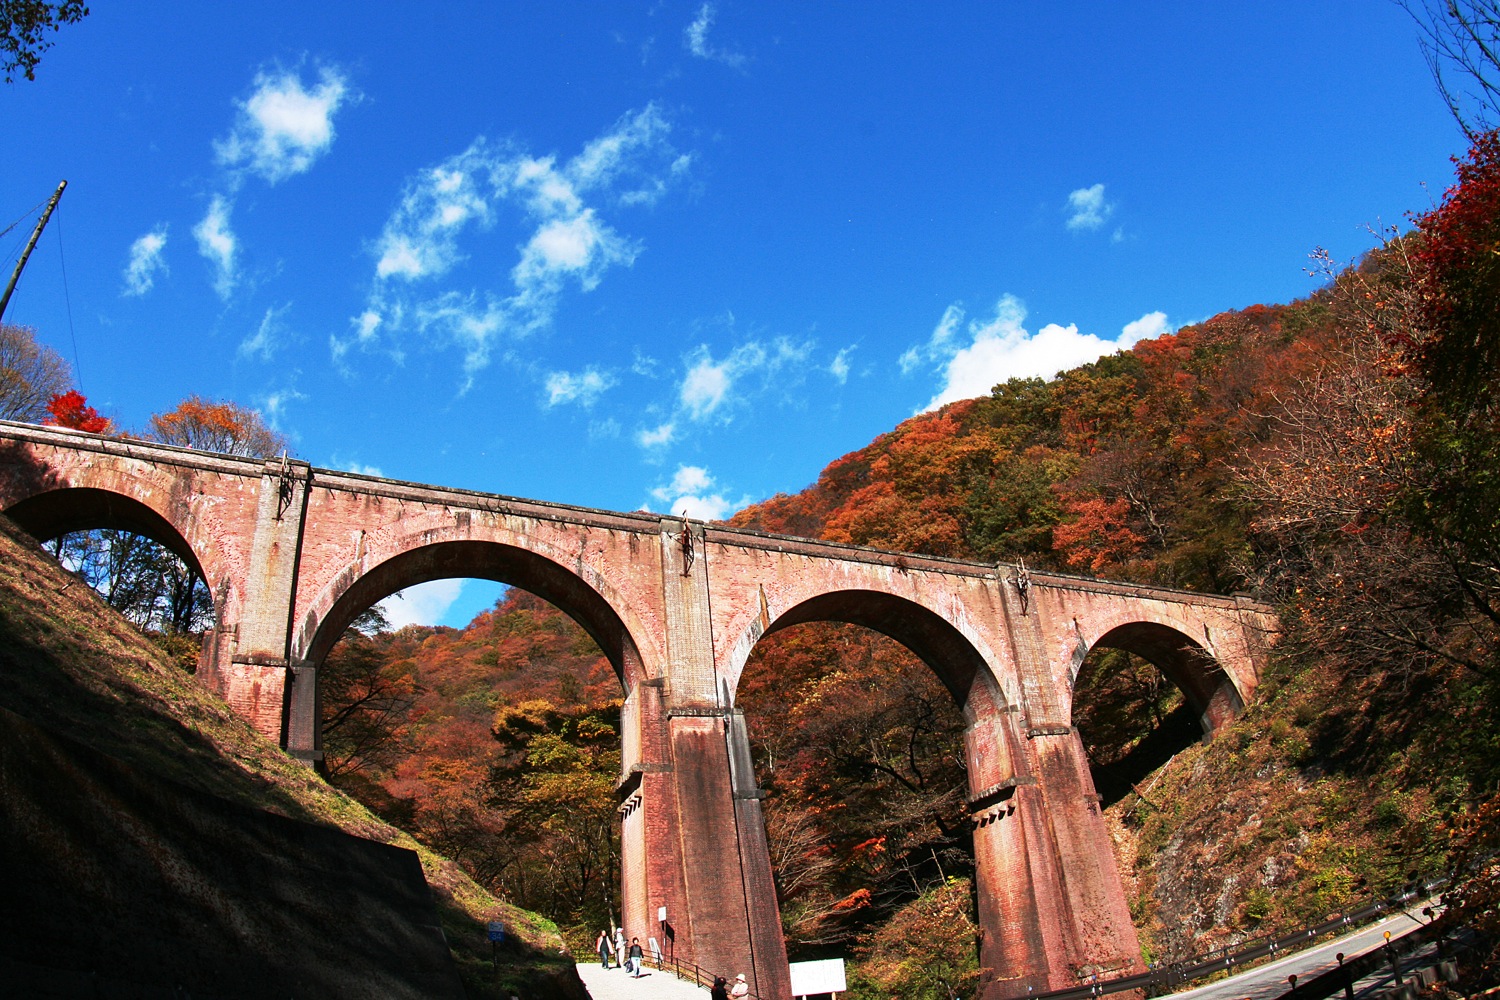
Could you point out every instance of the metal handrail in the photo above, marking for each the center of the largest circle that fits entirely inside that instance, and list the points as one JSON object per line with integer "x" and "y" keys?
{"x": 688, "y": 971}
{"x": 1196, "y": 967}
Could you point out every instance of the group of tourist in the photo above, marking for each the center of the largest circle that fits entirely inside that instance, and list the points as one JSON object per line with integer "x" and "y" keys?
{"x": 721, "y": 990}
{"x": 614, "y": 948}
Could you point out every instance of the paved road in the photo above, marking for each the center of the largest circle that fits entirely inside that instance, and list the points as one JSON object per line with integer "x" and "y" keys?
{"x": 653, "y": 985}
{"x": 1270, "y": 980}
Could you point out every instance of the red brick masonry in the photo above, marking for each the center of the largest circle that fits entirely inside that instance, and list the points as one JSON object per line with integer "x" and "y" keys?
{"x": 293, "y": 553}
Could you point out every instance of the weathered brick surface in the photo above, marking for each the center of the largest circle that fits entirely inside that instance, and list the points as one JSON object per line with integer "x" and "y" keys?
{"x": 293, "y": 553}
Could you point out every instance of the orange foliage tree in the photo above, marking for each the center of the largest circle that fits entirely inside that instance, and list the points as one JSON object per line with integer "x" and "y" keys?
{"x": 224, "y": 427}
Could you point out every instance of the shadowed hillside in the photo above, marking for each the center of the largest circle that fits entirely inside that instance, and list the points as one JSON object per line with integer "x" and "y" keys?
{"x": 154, "y": 838}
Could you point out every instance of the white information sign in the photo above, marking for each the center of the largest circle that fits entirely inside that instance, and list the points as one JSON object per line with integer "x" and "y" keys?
{"x": 826, "y": 976}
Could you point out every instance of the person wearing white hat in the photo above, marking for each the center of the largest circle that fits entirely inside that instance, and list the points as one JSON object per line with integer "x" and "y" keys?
{"x": 741, "y": 988}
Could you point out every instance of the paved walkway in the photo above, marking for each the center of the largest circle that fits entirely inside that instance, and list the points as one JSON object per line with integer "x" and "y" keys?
{"x": 654, "y": 984}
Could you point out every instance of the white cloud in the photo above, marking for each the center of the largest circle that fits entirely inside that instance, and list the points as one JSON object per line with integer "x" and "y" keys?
{"x": 146, "y": 262}
{"x": 688, "y": 493}
{"x": 706, "y": 384}
{"x": 695, "y": 39}
{"x": 839, "y": 366}
{"x": 583, "y": 388}
{"x": 367, "y": 323}
{"x": 283, "y": 127}
{"x": 1148, "y": 327}
{"x": 1087, "y": 208}
{"x": 1001, "y": 348}
{"x": 274, "y": 405}
{"x": 216, "y": 242}
{"x": 580, "y": 246}
{"x": 424, "y": 604}
{"x": 709, "y": 384}
{"x": 267, "y": 336}
{"x": 658, "y": 436}
{"x": 349, "y": 465}
{"x": 567, "y": 243}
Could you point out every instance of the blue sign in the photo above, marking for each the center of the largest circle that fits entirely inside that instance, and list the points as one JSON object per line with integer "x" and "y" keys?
{"x": 497, "y": 931}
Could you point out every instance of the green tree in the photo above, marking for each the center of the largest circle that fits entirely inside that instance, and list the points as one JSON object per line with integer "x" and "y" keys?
{"x": 365, "y": 700}
{"x": 24, "y": 25}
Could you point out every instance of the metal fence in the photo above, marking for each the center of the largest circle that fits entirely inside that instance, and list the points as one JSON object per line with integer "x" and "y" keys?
{"x": 1166, "y": 978}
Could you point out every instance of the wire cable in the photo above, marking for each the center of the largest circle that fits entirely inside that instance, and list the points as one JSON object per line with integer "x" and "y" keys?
{"x": 68, "y": 301}
{"x": 30, "y": 212}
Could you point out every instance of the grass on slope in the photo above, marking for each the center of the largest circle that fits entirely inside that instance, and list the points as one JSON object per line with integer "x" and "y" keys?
{"x": 70, "y": 664}
{"x": 1320, "y": 798}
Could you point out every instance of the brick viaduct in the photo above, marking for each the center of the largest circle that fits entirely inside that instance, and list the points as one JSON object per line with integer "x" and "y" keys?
{"x": 292, "y": 553}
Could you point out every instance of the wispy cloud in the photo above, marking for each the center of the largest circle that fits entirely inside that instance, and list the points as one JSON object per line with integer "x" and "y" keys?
{"x": 839, "y": 366}
{"x": 283, "y": 127}
{"x": 692, "y": 492}
{"x": 274, "y": 405}
{"x": 1087, "y": 208}
{"x": 584, "y": 387}
{"x": 659, "y": 436}
{"x": 695, "y": 39}
{"x": 350, "y": 465}
{"x": 216, "y": 242}
{"x": 971, "y": 359}
{"x": 268, "y": 336}
{"x": 146, "y": 263}
{"x": 709, "y": 384}
{"x": 567, "y": 242}
{"x": 279, "y": 131}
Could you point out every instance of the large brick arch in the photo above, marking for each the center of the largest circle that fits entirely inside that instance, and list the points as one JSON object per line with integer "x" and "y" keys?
{"x": 143, "y": 507}
{"x": 352, "y": 591}
{"x": 1208, "y": 688}
{"x": 55, "y": 513}
{"x": 1181, "y": 645}
{"x": 955, "y": 658}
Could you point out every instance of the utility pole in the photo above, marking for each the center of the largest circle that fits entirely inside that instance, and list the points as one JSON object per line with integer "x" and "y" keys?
{"x": 36, "y": 234}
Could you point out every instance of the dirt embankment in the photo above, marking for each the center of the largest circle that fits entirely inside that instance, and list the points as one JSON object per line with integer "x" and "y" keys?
{"x": 154, "y": 840}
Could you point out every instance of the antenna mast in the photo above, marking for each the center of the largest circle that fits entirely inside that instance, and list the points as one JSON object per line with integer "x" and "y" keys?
{"x": 36, "y": 234}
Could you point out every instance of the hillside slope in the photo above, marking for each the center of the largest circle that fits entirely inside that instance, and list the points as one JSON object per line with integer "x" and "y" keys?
{"x": 91, "y": 685}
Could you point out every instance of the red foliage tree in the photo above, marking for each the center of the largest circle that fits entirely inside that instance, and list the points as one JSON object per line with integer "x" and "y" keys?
{"x": 72, "y": 409}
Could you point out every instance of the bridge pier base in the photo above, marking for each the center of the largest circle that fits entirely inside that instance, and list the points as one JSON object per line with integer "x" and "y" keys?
{"x": 1102, "y": 937}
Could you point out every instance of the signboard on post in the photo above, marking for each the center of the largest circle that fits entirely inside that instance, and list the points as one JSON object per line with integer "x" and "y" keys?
{"x": 811, "y": 978}
{"x": 496, "y": 931}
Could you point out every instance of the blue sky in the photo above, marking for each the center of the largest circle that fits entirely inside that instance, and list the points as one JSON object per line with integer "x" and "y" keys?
{"x": 678, "y": 255}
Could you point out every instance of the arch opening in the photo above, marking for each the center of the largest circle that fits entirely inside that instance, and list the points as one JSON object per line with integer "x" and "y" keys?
{"x": 856, "y": 705}
{"x": 498, "y": 740}
{"x": 50, "y": 515}
{"x": 1143, "y": 693}
{"x": 494, "y": 561}
{"x": 945, "y": 651}
{"x": 133, "y": 557}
